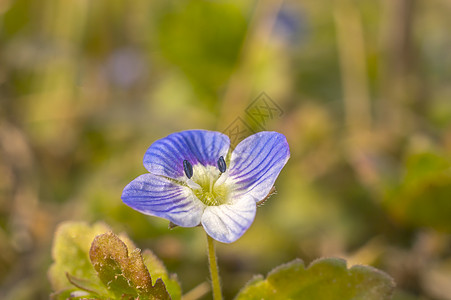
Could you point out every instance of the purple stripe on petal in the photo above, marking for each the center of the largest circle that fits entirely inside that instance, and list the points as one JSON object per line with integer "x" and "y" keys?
{"x": 228, "y": 222}
{"x": 165, "y": 156}
{"x": 157, "y": 196}
{"x": 257, "y": 161}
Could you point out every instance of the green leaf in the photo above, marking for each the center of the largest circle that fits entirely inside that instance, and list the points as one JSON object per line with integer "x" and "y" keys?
{"x": 124, "y": 274}
{"x": 324, "y": 279}
{"x": 70, "y": 254}
{"x": 105, "y": 268}
{"x": 72, "y": 295}
{"x": 158, "y": 270}
{"x": 86, "y": 285}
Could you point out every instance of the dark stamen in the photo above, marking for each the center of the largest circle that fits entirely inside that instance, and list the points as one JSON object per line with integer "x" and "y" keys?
{"x": 222, "y": 164}
{"x": 188, "y": 169}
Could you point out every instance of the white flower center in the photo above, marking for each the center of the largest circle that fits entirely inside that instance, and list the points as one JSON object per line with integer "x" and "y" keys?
{"x": 209, "y": 185}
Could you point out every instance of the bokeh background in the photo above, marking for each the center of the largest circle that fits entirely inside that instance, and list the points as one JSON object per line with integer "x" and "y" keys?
{"x": 361, "y": 89}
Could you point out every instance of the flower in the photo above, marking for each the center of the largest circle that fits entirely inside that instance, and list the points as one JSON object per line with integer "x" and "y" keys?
{"x": 195, "y": 178}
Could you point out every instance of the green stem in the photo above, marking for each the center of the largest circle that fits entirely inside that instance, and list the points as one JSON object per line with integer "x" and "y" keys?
{"x": 215, "y": 281}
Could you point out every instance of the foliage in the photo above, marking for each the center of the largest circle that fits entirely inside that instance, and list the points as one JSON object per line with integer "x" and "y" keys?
{"x": 364, "y": 97}
{"x": 323, "y": 279}
{"x": 111, "y": 272}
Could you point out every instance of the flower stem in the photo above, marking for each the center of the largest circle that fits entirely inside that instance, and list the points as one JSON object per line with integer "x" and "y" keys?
{"x": 215, "y": 281}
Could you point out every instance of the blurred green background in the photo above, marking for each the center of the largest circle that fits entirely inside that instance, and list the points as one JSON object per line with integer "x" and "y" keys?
{"x": 364, "y": 92}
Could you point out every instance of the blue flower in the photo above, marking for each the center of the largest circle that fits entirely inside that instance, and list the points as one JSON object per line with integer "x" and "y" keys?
{"x": 195, "y": 178}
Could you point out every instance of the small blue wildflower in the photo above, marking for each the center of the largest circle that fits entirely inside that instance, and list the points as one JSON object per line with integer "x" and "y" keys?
{"x": 195, "y": 178}
{"x": 291, "y": 25}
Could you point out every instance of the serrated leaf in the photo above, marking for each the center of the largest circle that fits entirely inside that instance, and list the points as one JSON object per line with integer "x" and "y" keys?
{"x": 70, "y": 253}
{"x": 324, "y": 279}
{"x": 124, "y": 273}
{"x": 158, "y": 270}
{"x": 73, "y": 276}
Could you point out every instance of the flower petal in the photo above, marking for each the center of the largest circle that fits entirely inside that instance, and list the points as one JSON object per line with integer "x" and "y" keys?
{"x": 228, "y": 222}
{"x": 157, "y": 196}
{"x": 165, "y": 156}
{"x": 257, "y": 161}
